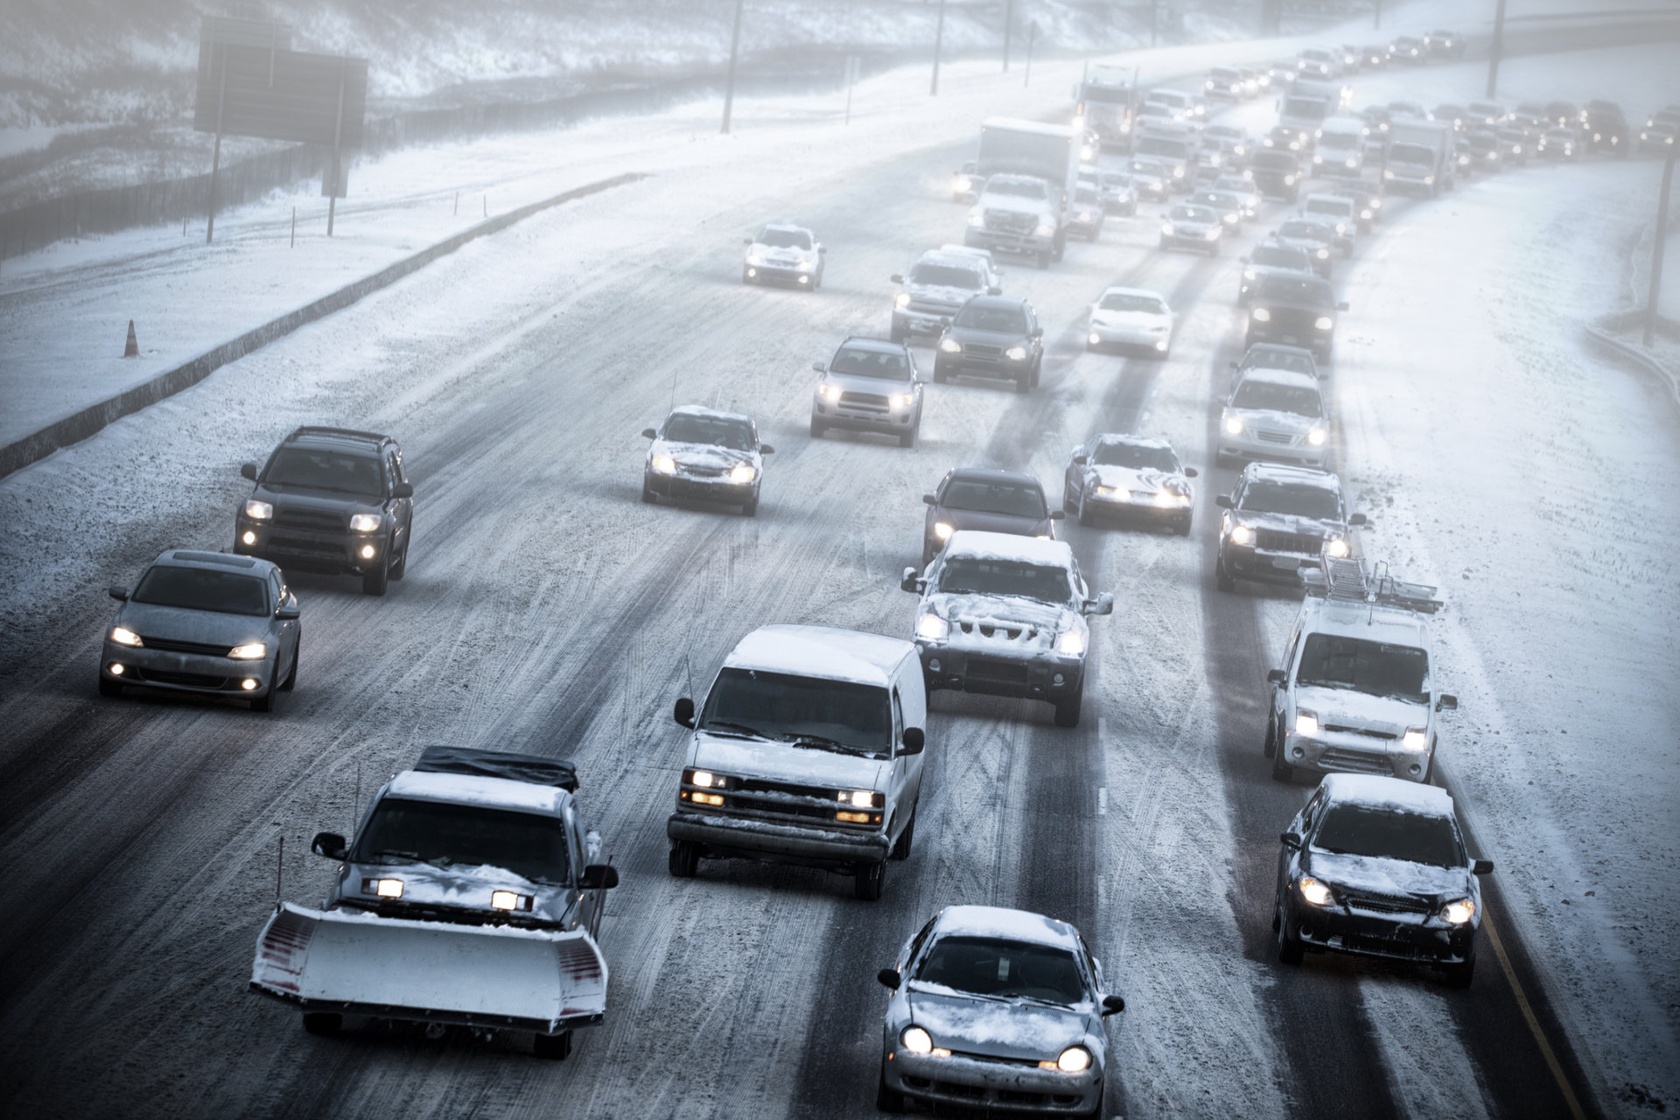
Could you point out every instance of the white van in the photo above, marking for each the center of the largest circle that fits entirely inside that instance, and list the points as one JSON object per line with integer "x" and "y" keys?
{"x": 807, "y": 749}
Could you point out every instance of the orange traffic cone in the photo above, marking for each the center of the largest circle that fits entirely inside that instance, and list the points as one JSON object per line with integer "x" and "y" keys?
{"x": 132, "y": 350}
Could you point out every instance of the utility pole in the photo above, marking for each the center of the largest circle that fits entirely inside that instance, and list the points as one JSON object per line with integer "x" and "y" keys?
{"x": 1032, "y": 37}
{"x": 1659, "y": 240}
{"x": 1008, "y": 23}
{"x": 1497, "y": 48}
{"x": 1154, "y": 19}
{"x": 734, "y": 53}
{"x": 938, "y": 45}
{"x": 1376, "y": 14}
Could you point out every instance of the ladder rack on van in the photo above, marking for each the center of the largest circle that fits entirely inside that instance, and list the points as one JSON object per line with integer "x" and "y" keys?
{"x": 1346, "y": 580}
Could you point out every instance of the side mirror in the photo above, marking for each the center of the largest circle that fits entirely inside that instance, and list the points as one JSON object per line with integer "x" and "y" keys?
{"x": 890, "y": 978}
{"x": 746, "y": 241}
{"x": 1079, "y": 458}
{"x": 1223, "y": 501}
{"x": 598, "y": 877}
{"x": 995, "y": 290}
{"x": 1233, "y": 365}
{"x": 403, "y": 490}
{"x": 897, "y": 278}
{"x": 287, "y": 611}
{"x": 1102, "y": 604}
{"x": 1112, "y": 1005}
{"x": 1481, "y": 867}
{"x": 910, "y": 581}
{"x": 649, "y": 433}
{"x": 822, "y": 250}
{"x": 929, "y": 500}
{"x": 1036, "y": 332}
{"x": 766, "y": 449}
{"x": 1277, "y": 676}
{"x": 1291, "y": 840}
{"x": 1447, "y": 702}
{"x": 1358, "y": 519}
{"x": 120, "y": 594}
{"x": 683, "y": 712}
{"x": 915, "y": 740}
{"x": 1342, "y": 306}
{"x": 329, "y": 844}
{"x": 1189, "y": 472}
{"x": 820, "y": 367}
{"x": 1057, "y": 515}
{"x": 248, "y": 470}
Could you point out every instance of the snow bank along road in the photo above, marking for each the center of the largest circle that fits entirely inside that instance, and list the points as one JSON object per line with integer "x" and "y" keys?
{"x": 548, "y": 610}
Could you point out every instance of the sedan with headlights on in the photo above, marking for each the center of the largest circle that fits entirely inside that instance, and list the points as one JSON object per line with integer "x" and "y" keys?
{"x": 1131, "y": 477}
{"x": 1317, "y": 237}
{"x": 207, "y": 623}
{"x": 784, "y": 254}
{"x": 995, "y": 1009}
{"x": 1294, "y": 309}
{"x": 702, "y": 453}
{"x": 983, "y": 498}
{"x": 994, "y": 336}
{"x": 1275, "y": 415}
{"x": 1193, "y": 227}
{"x": 1131, "y": 318}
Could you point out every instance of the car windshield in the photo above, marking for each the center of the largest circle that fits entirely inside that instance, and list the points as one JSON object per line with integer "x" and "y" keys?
{"x": 1304, "y": 231}
{"x": 1331, "y": 207}
{"x": 785, "y": 239}
{"x": 871, "y": 363}
{"x": 1086, "y": 195}
{"x": 836, "y": 715}
{"x": 1024, "y": 188}
{"x": 983, "y": 966}
{"x": 202, "y": 589}
{"x": 1119, "y": 453}
{"x": 1272, "y": 358}
{"x": 990, "y": 317}
{"x": 1193, "y": 214}
{"x": 1339, "y": 140}
{"x": 1280, "y": 256}
{"x": 1301, "y": 290}
{"x": 1133, "y": 301}
{"x": 1292, "y": 501}
{"x": 973, "y": 575}
{"x": 1274, "y": 161}
{"x": 984, "y": 496}
{"x": 325, "y": 470}
{"x": 719, "y": 431}
{"x": 1362, "y": 665}
{"x": 1383, "y": 833}
{"x": 404, "y": 830}
{"x": 946, "y": 276}
{"x": 1162, "y": 146}
{"x": 1269, "y": 396}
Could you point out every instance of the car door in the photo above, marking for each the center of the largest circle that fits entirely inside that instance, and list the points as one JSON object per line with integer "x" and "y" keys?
{"x": 906, "y": 778}
{"x": 1280, "y": 692}
{"x": 286, "y": 631}
{"x": 1302, "y": 825}
{"x": 402, "y": 509}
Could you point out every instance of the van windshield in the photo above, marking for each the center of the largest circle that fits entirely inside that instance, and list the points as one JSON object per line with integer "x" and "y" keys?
{"x": 1375, "y": 668}
{"x": 813, "y": 711}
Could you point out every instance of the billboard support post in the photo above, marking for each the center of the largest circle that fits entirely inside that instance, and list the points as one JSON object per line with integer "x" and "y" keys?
{"x": 216, "y": 156}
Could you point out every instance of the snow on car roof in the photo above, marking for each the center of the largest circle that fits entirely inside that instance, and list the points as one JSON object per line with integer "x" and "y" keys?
{"x": 1372, "y": 621}
{"x": 188, "y": 557}
{"x": 1015, "y": 124}
{"x": 1299, "y": 476}
{"x": 1274, "y": 376}
{"x": 1003, "y": 923}
{"x": 470, "y": 789}
{"x": 1007, "y": 546}
{"x": 1389, "y": 793}
{"x": 1117, "y": 291}
{"x": 821, "y": 651}
{"x": 702, "y": 410}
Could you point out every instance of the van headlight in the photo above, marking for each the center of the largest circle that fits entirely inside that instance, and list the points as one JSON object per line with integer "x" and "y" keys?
{"x": 1459, "y": 912}
{"x": 931, "y": 628}
{"x": 830, "y": 393}
{"x": 901, "y": 400}
{"x": 1417, "y": 739}
{"x": 1324, "y": 322}
{"x": 1016, "y": 353}
{"x": 976, "y": 218}
{"x": 1306, "y": 723}
{"x": 1070, "y": 643}
{"x": 1262, "y": 315}
{"x": 862, "y": 798}
{"x": 1317, "y": 436}
{"x": 950, "y": 345}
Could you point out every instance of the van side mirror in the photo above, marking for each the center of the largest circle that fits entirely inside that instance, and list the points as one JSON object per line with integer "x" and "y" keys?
{"x": 890, "y": 978}
{"x": 248, "y": 470}
{"x": 820, "y": 367}
{"x": 1358, "y": 519}
{"x": 1481, "y": 867}
{"x": 649, "y": 433}
{"x": 1112, "y": 1005}
{"x": 1291, "y": 840}
{"x": 683, "y": 712}
{"x": 329, "y": 844}
{"x": 402, "y": 490}
{"x": 120, "y": 594}
{"x": 910, "y": 580}
{"x": 1446, "y": 703}
{"x": 915, "y": 740}
{"x": 598, "y": 877}
{"x": 1277, "y": 676}
{"x": 1223, "y": 501}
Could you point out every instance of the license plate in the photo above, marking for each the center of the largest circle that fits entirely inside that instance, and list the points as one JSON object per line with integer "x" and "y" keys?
{"x": 1285, "y": 562}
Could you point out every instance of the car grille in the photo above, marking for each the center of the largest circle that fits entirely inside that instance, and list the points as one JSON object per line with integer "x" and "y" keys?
{"x": 786, "y": 789}
{"x": 1387, "y": 904}
{"x": 305, "y": 545}
{"x": 986, "y": 668}
{"x": 702, "y": 472}
{"x": 764, "y": 798}
{"x": 170, "y": 645}
{"x": 1354, "y": 762}
{"x": 980, "y": 352}
{"x": 1273, "y": 540}
{"x": 1268, "y": 435}
{"x": 1010, "y": 221}
{"x": 992, "y": 630}
{"x": 1366, "y": 731}
{"x": 871, "y": 401}
{"x": 309, "y": 519}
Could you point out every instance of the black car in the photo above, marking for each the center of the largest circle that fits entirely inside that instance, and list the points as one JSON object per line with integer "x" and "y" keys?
{"x": 1269, "y": 259}
{"x": 1604, "y": 128}
{"x": 1487, "y": 153}
{"x": 1367, "y": 200}
{"x": 1296, "y": 311}
{"x": 1444, "y": 44}
{"x": 1316, "y": 236}
{"x": 991, "y": 500}
{"x": 1276, "y": 173}
{"x": 1278, "y": 520}
{"x": 330, "y": 500}
{"x": 994, "y": 336}
{"x": 1377, "y": 866}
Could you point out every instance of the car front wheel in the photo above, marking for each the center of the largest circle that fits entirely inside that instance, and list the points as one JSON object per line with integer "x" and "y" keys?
{"x": 376, "y": 581}
{"x": 1067, "y": 708}
{"x": 867, "y": 881}
{"x": 1289, "y": 948}
{"x": 684, "y": 859}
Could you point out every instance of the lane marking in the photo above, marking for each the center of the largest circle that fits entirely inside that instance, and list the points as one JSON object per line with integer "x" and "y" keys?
{"x": 1533, "y": 1022}
{"x": 1102, "y": 801}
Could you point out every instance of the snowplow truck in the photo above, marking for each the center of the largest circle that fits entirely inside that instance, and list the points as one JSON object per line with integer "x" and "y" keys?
{"x": 471, "y": 896}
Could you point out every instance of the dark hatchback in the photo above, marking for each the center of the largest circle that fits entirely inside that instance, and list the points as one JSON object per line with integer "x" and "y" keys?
{"x": 994, "y": 336}
{"x": 992, "y": 500}
{"x": 1294, "y": 310}
{"x": 1276, "y": 173}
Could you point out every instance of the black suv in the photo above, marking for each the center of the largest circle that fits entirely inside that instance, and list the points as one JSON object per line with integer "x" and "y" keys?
{"x": 994, "y": 336}
{"x": 1295, "y": 310}
{"x": 330, "y": 500}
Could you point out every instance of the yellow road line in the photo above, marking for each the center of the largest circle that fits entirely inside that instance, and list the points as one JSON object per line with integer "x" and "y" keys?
{"x": 1533, "y": 1023}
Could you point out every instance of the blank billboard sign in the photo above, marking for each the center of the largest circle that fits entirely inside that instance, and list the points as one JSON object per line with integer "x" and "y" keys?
{"x": 280, "y": 94}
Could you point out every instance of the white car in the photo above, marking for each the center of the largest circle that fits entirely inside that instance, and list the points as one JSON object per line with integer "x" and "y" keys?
{"x": 1129, "y": 476}
{"x": 1193, "y": 227}
{"x": 784, "y": 254}
{"x": 702, "y": 453}
{"x": 1132, "y": 318}
{"x": 1276, "y": 416}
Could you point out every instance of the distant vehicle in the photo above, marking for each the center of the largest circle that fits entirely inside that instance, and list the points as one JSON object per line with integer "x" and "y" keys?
{"x": 1456, "y": 114}
{"x": 966, "y": 183}
{"x": 1317, "y": 237}
{"x": 1563, "y": 113}
{"x": 1320, "y": 62}
{"x": 1365, "y": 198}
{"x": 993, "y": 336}
{"x": 1017, "y": 994}
{"x": 784, "y": 254}
{"x": 1282, "y": 74}
{"x": 1244, "y": 188}
{"x": 1105, "y": 100}
{"x": 471, "y": 896}
{"x": 1130, "y": 477}
{"x": 1276, "y": 173}
{"x": 206, "y": 623}
{"x": 1184, "y": 106}
{"x": 1119, "y": 192}
{"x": 1004, "y": 615}
{"x": 1233, "y": 143}
{"x": 1514, "y": 146}
{"x": 935, "y": 289}
{"x": 1488, "y": 113}
{"x": 1604, "y": 128}
{"x": 992, "y": 500}
{"x": 1086, "y": 212}
{"x": 1529, "y": 115}
{"x": 330, "y": 500}
{"x": 1444, "y": 44}
{"x": 1270, "y": 259}
{"x": 1278, "y": 520}
{"x": 1339, "y": 212}
{"x": 1340, "y": 150}
{"x": 1286, "y": 139}
{"x": 1225, "y": 82}
{"x": 1179, "y": 149}
{"x": 1559, "y": 144}
{"x": 1374, "y": 56}
{"x": 1422, "y": 157}
{"x": 1659, "y": 136}
{"x": 1151, "y": 177}
{"x": 1133, "y": 318}
{"x": 1486, "y": 152}
{"x": 705, "y": 454}
{"x": 988, "y": 263}
{"x": 1275, "y": 416}
{"x": 1408, "y": 110}
{"x": 1294, "y": 310}
{"x": 1408, "y": 49}
{"x": 869, "y": 385}
{"x": 1228, "y": 204}
{"x": 1193, "y": 227}
{"x": 1344, "y": 859}
{"x": 1030, "y": 171}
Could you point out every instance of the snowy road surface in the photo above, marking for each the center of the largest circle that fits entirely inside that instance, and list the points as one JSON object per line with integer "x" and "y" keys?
{"x": 549, "y": 610}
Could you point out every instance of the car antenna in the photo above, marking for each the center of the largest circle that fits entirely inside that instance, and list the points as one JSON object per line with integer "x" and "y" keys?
{"x": 280, "y": 873}
{"x": 674, "y": 387}
{"x": 356, "y": 803}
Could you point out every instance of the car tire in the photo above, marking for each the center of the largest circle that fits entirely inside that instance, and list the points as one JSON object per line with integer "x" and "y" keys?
{"x": 552, "y": 1047}
{"x": 908, "y": 439}
{"x": 1222, "y": 578}
{"x": 109, "y": 687}
{"x": 749, "y": 508}
{"x": 400, "y": 567}
{"x": 940, "y": 374}
{"x": 323, "y": 1023}
{"x": 290, "y": 682}
{"x": 1290, "y": 951}
{"x": 1023, "y": 381}
{"x": 868, "y": 880}
{"x": 1183, "y": 527}
{"x": 648, "y": 495}
{"x": 375, "y": 582}
{"x": 817, "y": 429}
{"x": 887, "y": 1100}
{"x": 901, "y": 847}
{"x": 1037, "y": 370}
{"x": 1070, "y": 500}
{"x": 1268, "y": 749}
{"x": 897, "y": 333}
{"x": 684, "y": 860}
{"x": 1067, "y": 709}
{"x": 1460, "y": 975}
{"x": 265, "y": 702}
{"x": 1084, "y": 514}
{"x": 1281, "y": 770}
{"x": 1044, "y": 260}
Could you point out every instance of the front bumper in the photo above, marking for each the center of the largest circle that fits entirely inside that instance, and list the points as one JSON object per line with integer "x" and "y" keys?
{"x": 1265, "y": 565}
{"x": 1342, "y": 752}
{"x": 204, "y": 674}
{"x": 1249, "y": 447}
{"x": 921, "y": 320}
{"x": 982, "y": 361}
{"x": 704, "y": 488}
{"x": 1145, "y": 338}
{"x": 996, "y": 673}
{"x": 1394, "y": 936}
{"x": 796, "y": 275}
{"x": 1126, "y": 504}
{"x": 856, "y": 418}
{"x": 747, "y": 838}
{"x": 991, "y": 1084}
{"x": 327, "y": 552}
{"x": 979, "y": 237}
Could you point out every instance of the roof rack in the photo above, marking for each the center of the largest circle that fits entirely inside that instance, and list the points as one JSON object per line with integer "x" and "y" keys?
{"x": 1346, "y": 580}
{"x": 538, "y": 770}
{"x": 348, "y": 433}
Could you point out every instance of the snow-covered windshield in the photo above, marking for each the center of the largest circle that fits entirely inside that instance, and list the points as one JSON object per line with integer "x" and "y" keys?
{"x": 402, "y": 830}
{"x": 1374, "y": 668}
{"x": 991, "y": 317}
{"x": 325, "y": 470}
{"x": 1003, "y": 969}
{"x": 946, "y": 276}
{"x": 840, "y": 715}
{"x": 984, "y": 496}
{"x": 1116, "y": 453}
{"x": 1293, "y": 501}
{"x": 785, "y": 239}
{"x": 974, "y": 575}
{"x": 858, "y": 362}
{"x": 1133, "y": 301}
{"x": 1269, "y": 396}
{"x": 719, "y": 431}
{"x": 1275, "y": 358}
{"x": 1382, "y": 833}
{"x": 201, "y": 589}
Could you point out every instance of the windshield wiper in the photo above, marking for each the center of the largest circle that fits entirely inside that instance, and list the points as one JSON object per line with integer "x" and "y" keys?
{"x": 392, "y": 856}
{"x": 729, "y": 728}
{"x": 822, "y": 742}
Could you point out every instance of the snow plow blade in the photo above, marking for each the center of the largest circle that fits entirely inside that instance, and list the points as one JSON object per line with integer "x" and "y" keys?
{"x": 350, "y": 962}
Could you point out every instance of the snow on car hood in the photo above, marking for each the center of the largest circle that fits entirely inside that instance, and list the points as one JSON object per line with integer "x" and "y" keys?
{"x": 1139, "y": 478}
{"x": 462, "y": 886}
{"x": 941, "y": 293}
{"x": 701, "y": 456}
{"x": 1387, "y": 876}
{"x": 1135, "y": 319}
{"x": 212, "y": 628}
{"x": 784, "y": 762}
{"x": 1345, "y": 708}
{"x": 997, "y": 1028}
{"x": 986, "y": 620}
{"x": 1272, "y": 418}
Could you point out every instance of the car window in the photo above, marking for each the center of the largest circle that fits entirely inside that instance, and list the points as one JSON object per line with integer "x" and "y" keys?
{"x": 1116, "y": 453}
{"x": 719, "y": 431}
{"x": 871, "y": 363}
{"x": 1383, "y": 833}
{"x": 988, "y": 967}
{"x": 946, "y": 276}
{"x": 1024, "y": 188}
{"x": 1133, "y": 301}
{"x": 325, "y": 470}
{"x": 1278, "y": 256}
{"x": 983, "y": 496}
{"x": 1360, "y": 665}
{"x": 1310, "y": 231}
{"x": 202, "y": 589}
{"x": 973, "y": 575}
{"x": 1005, "y": 320}
{"x": 1269, "y": 396}
{"x": 401, "y": 830}
{"x": 842, "y": 714}
{"x": 785, "y": 239}
{"x": 1263, "y": 496}
{"x": 1280, "y": 359}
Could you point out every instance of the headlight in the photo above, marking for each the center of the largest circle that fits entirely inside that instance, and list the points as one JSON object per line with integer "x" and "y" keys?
{"x": 250, "y": 651}
{"x": 1250, "y": 274}
{"x": 123, "y": 636}
{"x": 1306, "y": 723}
{"x": 1289, "y": 180}
{"x": 1365, "y": 215}
{"x": 754, "y": 257}
{"x": 902, "y": 300}
{"x": 664, "y": 464}
{"x": 1171, "y": 498}
{"x": 258, "y": 511}
{"x": 1351, "y": 163}
{"x": 705, "y": 779}
{"x": 1178, "y": 173}
{"x": 1229, "y": 219}
{"x": 1016, "y": 353}
{"x": 976, "y": 219}
{"x": 1242, "y": 534}
{"x": 830, "y": 393}
{"x": 510, "y": 900}
{"x": 1075, "y": 1059}
{"x": 1322, "y": 254}
{"x": 1315, "y": 892}
{"x": 962, "y": 184}
{"x": 1429, "y": 180}
{"x": 1095, "y": 339}
{"x": 943, "y": 530}
{"x": 384, "y": 888}
{"x": 1261, "y": 315}
{"x": 1388, "y": 174}
{"x": 1376, "y": 203}
{"x": 365, "y": 522}
{"x": 1233, "y": 425}
{"x": 1324, "y": 322}
{"x": 901, "y": 400}
{"x": 950, "y": 345}
{"x": 1459, "y": 912}
{"x": 1417, "y": 739}
{"x": 1045, "y": 229}
{"x": 931, "y": 628}
{"x": 1212, "y": 234}
{"x": 1070, "y": 643}
{"x": 1166, "y": 229}
{"x": 742, "y": 473}
{"x": 916, "y": 1040}
{"x": 1317, "y": 436}
{"x": 1337, "y": 548}
{"x": 862, "y": 798}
